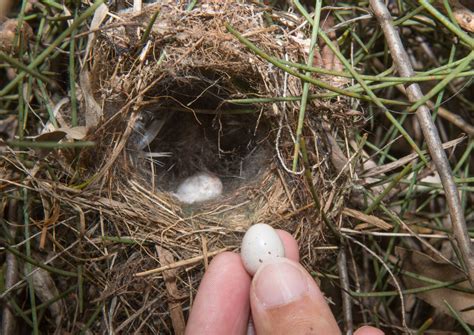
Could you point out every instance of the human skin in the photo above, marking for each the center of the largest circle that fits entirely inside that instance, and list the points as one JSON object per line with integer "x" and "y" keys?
{"x": 282, "y": 298}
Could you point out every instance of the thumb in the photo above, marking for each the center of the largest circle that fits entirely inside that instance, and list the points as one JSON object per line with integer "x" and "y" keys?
{"x": 285, "y": 299}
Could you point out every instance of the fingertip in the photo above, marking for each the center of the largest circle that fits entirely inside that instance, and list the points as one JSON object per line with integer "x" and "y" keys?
{"x": 368, "y": 330}
{"x": 222, "y": 303}
{"x": 225, "y": 269}
{"x": 227, "y": 258}
{"x": 290, "y": 244}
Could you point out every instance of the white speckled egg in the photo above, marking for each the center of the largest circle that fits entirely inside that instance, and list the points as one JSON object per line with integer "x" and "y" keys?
{"x": 260, "y": 244}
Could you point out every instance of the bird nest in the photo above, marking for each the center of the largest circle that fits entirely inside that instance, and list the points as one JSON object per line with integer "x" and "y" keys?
{"x": 167, "y": 96}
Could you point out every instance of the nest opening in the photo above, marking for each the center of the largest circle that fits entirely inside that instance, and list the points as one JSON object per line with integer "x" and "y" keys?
{"x": 202, "y": 90}
{"x": 203, "y": 138}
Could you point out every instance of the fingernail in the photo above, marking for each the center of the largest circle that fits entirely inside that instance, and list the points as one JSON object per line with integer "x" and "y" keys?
{"x": 279, "y": 283}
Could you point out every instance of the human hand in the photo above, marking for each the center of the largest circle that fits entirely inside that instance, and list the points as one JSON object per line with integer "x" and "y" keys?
{"x": 282, "y": 298}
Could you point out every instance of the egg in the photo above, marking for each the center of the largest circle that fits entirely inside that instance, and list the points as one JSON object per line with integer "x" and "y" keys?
{"x": 199, "y": 187}
{"x": 260, "y": 244}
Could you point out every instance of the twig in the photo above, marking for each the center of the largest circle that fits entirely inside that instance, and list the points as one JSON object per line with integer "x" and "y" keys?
{"x": 346, "y": 298}
{"x": 176, "y": 311}
{"x": 324, "y": 95}
{"x": 435, "y": 90}
{"x": 304, "y": 97}
{"x": 455, "y": 119}
{"x": 395, "y": 281}
{"x": 458, "y": 32}
{"x": 49, "y": 144}
{"x": 137, "y": 5}
{"x": 32, "y": 261}
{"x": 289, "y": 70}
{"x": 401, "y": 235}
{"x": 370, "y": 219}
{"x": 381, "y": 169}
{"x": 458, "y": 317}
{"x": 431, "y": 135}
{"x": 11, "y": 276}
{"x": 309, "y": 180}
{"x": 28, "y": 268}
{"x": 362, "y": 83}
{"x": 135, "y": 315}
{"x": 19, "y": 65}
{"x": 179, "y": 264}
{"x": 147, "y": 32}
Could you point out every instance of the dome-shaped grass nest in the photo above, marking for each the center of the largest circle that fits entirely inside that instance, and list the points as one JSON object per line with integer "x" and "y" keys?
{"x": 173, "y": 102}
{"x": 170, "y": 95}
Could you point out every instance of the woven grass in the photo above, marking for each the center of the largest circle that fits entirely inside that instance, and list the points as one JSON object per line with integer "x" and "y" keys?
{"x": 110, "y": 206}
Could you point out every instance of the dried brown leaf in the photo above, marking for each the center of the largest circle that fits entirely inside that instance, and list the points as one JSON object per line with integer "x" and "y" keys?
{"x": 372, "y": 220}
{"x": 9, "y": 43}
{"x": 426, "y": 266}
{"x": 7, "y": 129}
{"x": 74, "y": 133}
{"x": 465, "y": 18}
{"x": 338, "y": 159}
{"x": 462, "y": 12}
{"x": 93, "y": 111}
{"x": 99, "y": 16}
{"x": 328, "y": 57}
{"x": 51, "y": 214}
{"x": 5, "y": 7}
{"x": 46, "y": 290}
{"x": 52, "y": 136}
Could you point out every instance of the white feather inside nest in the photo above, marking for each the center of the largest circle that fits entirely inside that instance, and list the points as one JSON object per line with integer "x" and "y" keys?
{"x": 199, "y": 187}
